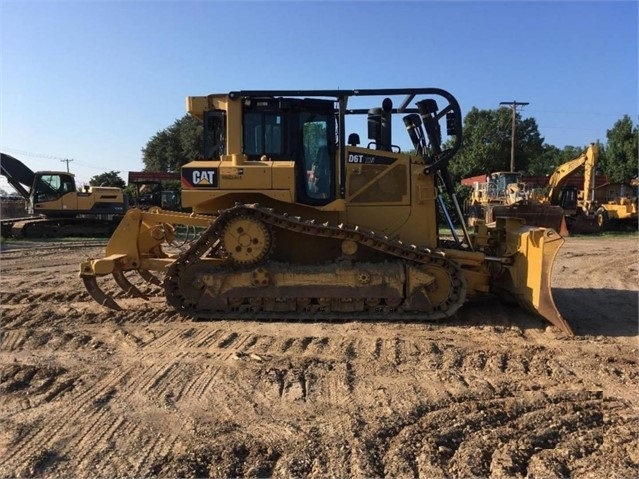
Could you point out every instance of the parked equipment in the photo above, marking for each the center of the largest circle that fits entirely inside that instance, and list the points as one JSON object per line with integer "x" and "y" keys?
{"x": 616, "y": 205}
{"x": 504, "y": 194}
{"x": 55, "y": 205}
{"x": 150, "y": 190}
{"x": 578, "y": 204}
{"x": 589, "y": 209}
{"x": 562, "y": 206}
{"x": 302, "y": 222}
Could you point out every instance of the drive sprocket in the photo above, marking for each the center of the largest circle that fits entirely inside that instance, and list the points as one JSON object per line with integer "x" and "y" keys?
{"x": 246, "y": 240}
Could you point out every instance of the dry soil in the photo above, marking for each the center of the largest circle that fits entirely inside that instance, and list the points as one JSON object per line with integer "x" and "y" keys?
{"x": 88, "y": 392}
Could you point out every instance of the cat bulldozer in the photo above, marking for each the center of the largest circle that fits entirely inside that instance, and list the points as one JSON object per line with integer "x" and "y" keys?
{"x": 297, "y": 220}
{"x": 56, "y": 207}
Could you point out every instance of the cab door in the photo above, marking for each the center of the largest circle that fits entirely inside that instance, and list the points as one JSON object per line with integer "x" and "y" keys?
{"x": 53, "y": 194}
{"x": 298, "y": 130}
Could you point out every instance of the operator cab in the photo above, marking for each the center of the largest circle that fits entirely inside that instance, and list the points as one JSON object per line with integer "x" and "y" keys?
{"x": 568, "y": 198}
{"x": 301, "y": 130}
{"x": 499, "y": 183}
{"x": 50, "y": 186}
{"x": 284, "y": 129}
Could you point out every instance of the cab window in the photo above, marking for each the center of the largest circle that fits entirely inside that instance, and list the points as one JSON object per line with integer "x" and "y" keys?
{"x": 316, "y": 156}
{"x": 214, "y": 134}
{"x": 262, "y": 134}
{"x": 48, "y": 187}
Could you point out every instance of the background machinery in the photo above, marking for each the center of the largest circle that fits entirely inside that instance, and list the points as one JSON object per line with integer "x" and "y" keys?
{"x": 561, "y": 205}
{"x": 505, "y": 194}
{"x": 589, "y": 209}
{"x": 57, "y": 207}
{"x": 578, "y": 204}
{"x": 150, "y": 189}
{"x": 299, "y": 221}
{"x": 617, "y": 205}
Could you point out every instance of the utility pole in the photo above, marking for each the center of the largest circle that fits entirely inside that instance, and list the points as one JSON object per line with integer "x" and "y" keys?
{"x": 514, "y": 105}
{"x": 67, "y": 162}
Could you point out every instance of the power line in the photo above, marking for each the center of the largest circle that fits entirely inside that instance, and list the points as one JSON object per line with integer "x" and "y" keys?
{"x": 29, "y": 153}
{"x": 47, "y": 156}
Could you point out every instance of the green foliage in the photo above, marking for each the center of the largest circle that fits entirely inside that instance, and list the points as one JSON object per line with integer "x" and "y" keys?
{"x": 621, "y": 156}
{"x": 545, "y": 163}
{"x": 487, "y": 144}
{"x": 487, "y": 147}
{"x": 111, "y": 178}
{"x": 130, "y": 191}
{"x": 174, "y": 146}
{"x": 172, "y": 185}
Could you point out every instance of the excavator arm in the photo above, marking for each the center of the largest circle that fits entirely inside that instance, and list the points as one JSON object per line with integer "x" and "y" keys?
{"x": 588, "y": 159}
{"x": 589, "y": 173}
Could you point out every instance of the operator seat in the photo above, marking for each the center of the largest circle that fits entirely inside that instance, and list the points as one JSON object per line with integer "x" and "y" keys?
{"x": 321, "y": 174}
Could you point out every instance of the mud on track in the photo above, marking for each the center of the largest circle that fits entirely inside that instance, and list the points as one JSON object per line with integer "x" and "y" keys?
{"x": 86, "y": 392}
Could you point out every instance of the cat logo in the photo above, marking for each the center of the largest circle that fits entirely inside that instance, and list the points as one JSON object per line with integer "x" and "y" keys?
{"x": 199, "y": 178}
{"x": 204, "y": 178}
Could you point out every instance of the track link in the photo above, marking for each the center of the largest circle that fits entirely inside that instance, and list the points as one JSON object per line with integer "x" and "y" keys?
{"x": 311, "y": 308}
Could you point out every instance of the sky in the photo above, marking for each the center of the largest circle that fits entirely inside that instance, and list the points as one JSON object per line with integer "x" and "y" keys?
{"x": 92, "y": 81}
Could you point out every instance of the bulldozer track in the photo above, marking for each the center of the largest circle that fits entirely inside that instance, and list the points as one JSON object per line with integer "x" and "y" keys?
{"x": 245, "y": 309}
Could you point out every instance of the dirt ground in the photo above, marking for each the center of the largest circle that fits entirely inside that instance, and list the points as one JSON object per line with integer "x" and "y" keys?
{"x": 88, "y": 392}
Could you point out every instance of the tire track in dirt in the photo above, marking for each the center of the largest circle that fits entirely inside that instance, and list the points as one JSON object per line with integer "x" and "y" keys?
{"x": 462, "y": 439}
{"x": 170, "y": 371}
{"x": 67, "y": 423}
{"x": 222, "y": 398}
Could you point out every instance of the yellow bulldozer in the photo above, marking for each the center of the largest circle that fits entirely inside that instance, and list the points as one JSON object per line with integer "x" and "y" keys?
{"x": 298, "y": 220}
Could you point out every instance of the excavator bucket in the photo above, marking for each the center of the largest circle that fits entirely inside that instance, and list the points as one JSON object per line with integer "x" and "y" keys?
{"x": 531, "y": 251}
{"x": 534, "y": 214}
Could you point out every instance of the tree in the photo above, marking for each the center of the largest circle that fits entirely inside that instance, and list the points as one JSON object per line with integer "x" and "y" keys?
{"x": 174, "y": 146}
{"x": 621, "y": 156}
{"x": 112, "y": 178}
{"x": 487, "y": 143}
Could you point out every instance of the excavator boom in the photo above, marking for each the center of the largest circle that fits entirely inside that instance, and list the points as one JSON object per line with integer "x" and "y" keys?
{"x": 557, "y": 181}
{"x": 17, "y": 174}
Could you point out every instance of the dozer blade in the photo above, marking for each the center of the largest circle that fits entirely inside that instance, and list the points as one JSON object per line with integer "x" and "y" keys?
{"x": 91, "y": 284}
{"x": 534, "y": 214}
{"x": 528, "y": 278}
